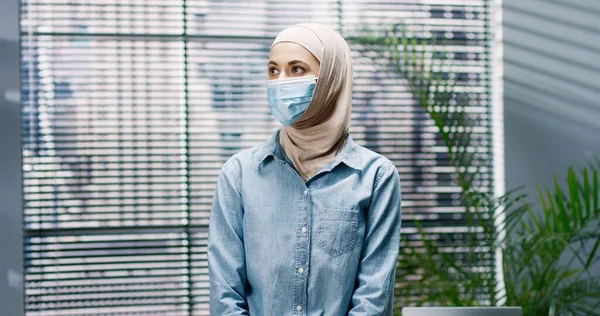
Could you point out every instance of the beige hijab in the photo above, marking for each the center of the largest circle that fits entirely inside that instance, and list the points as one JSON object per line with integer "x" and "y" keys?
{"x": 320, "y": 133}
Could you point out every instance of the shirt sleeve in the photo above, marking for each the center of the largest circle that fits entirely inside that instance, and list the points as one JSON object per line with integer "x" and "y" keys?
{"x": 375, "y": 279}
{"x": 226, "y": 257}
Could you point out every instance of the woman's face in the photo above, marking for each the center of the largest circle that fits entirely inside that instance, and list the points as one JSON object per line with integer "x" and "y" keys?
{"x": 289, "y": 60}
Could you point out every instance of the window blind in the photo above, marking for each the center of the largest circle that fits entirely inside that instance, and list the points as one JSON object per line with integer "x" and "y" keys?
{"x": 130, "y": 107}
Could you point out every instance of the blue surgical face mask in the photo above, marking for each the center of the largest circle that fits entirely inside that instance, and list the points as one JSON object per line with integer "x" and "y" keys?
{"x": 289, "y": 98}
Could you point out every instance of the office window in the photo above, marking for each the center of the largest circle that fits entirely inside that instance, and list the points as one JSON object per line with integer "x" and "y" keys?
{"x": 130, "y": 107}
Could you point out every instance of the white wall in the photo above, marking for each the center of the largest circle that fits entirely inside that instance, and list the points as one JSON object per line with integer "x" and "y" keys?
{"x": 551, "y": 88}
{"x": 9, "y": 19}
{"x": 10, "y": 164}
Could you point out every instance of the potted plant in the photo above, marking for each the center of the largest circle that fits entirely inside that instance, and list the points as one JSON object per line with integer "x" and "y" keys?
{"x": 547, "y": 248}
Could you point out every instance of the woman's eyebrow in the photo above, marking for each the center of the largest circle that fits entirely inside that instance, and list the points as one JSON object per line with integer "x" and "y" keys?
{"x": 297, "y": 61}
{"x": 272, "y": 63}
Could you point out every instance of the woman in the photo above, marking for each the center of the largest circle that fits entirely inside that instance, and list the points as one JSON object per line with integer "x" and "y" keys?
{"x": 307, "y": 223}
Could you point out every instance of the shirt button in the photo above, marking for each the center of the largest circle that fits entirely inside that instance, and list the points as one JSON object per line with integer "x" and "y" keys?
{"x": 301, "y": 270}
{"x": 299, "y": 308}
{"x": 304, "y": 229}
{"x": 305, "y": 192}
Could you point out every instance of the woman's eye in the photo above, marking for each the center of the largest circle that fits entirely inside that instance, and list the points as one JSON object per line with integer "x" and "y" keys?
{"x": 297, "y": 70}
{"x": 273, "y": 71}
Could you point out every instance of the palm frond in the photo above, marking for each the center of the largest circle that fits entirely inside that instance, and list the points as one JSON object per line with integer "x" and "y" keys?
{"x": 534, "y": 238}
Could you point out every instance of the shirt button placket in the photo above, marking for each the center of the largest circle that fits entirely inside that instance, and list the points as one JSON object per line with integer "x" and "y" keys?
{"x": 302, "y": 276}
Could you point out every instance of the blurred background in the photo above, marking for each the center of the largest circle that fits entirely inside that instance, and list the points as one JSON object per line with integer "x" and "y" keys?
{"x": 128, "y": 109}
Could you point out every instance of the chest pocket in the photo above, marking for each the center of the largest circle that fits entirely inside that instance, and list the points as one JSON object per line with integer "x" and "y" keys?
{"x": 337, "y": 230}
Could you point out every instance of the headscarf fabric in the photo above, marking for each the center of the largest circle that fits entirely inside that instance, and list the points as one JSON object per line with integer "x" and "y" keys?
{"x": 320, "y": 133}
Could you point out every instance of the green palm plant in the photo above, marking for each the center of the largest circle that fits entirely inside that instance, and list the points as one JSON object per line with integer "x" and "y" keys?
{"x": 548, "y": 248}
{"x": 548, "y": 261}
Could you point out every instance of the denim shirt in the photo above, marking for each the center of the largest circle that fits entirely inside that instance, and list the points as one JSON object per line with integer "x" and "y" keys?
{"x": 279, "y": 245}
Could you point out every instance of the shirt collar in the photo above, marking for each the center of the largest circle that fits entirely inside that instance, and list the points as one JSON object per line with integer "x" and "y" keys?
{"x": 349, "y": 154}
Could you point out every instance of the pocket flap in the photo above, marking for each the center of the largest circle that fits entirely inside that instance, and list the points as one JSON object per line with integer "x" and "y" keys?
{"x": 342, "y": 214}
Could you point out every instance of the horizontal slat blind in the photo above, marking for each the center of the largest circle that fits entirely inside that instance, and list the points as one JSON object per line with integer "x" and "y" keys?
{"x": 131, "y": 107}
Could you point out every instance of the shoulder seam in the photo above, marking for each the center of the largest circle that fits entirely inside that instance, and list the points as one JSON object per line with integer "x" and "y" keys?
{"x": 238, "y": 176}
{"x": 382, "y": 172}
{"x": 233, "y": 162}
